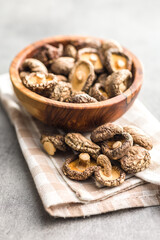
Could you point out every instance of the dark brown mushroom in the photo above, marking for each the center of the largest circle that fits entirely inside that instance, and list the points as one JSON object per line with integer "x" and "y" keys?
{"x": 79, "y": 143}
{"x": 82, "y": 98}
{"x": 88, "y": 42}
{"x": 62, "y": 65}
{"x": 61, "y": 92}
{"x": 108, "y": 175}
{"x": 48, "y": 53}
{"x": 117, "y": 82}
{"x": 117, "y": 146}
{"x": 137, "y": 159}
{"x": 106, "y": 131}
{"x": 33, "y": 65}
{"x": 108, "y": 44}
{"x": 98, "y": 92}
{"x": 79, "y": 167}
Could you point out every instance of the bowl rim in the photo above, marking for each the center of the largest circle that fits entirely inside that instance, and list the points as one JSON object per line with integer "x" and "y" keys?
{"x": 16, "y": 81}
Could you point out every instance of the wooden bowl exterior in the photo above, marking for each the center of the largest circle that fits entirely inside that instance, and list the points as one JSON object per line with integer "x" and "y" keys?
{"x": 72, "y": 116}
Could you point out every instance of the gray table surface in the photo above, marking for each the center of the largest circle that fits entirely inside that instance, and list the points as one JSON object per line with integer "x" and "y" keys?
{"x": 135, "y": 24}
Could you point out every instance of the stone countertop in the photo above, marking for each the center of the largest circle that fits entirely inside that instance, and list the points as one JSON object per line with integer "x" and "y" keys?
{"x": 135, "y": 24}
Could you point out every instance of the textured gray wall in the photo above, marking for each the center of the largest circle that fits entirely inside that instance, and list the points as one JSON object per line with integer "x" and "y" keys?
{"x": 135, "y": 24}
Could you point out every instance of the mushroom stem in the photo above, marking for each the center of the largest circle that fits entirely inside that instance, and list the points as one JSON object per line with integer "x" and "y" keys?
{"x": 104, "y": 162}
{"x": 84, "y": 159}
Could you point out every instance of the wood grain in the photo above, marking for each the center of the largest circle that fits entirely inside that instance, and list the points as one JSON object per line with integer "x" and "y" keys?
{"x": 72, "y": 116}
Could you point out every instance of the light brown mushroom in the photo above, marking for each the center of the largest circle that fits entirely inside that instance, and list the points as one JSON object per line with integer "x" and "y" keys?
{"x": 116, "y": 60}
{"x": 92, "y": 55}
{"x": 82, "y": 76}
{"x": 106, "y": 175}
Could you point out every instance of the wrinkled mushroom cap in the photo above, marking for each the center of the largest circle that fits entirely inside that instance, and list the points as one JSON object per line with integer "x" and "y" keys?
{"x": 33, "y": 65}
{"x": 88, "y": 42}
{"x": 61, "y": 92}
{"x": 137, "y": 159}
{"x": 105, "y": 132}
{"x": 81, "y": 144}
{"x": 98, "y": 92}
{"x": 39, "y": 82}
{"x": 82, "y": 98}
{"x": 91, "y": 55}
{"x": 106, "y": 175}
{"x": 73, "y": 168}
{"x": 117, "y": 82}
{"x": 70, "y": 51}
{"x": 47, "y": 53}
{"x": 110, "y": 43}
{"x": 116, "y": 60}
{"x": 139, "y": 137}
{"x": 116, "y": 147}
{"x": 82, "y": 76}
{"x": 62, "y": 65}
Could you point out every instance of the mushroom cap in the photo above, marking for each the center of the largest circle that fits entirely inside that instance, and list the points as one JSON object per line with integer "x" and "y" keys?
{"x": 139, "y": 137}
{"x": 39, "y": 82}
{"x": 112, "y": 56}
{"x": 92, "y": 55}
{"x": 98, "y": 92}
{"x": 57, "y": 140}
{"x": 119, "y": 151}
{"x": 88, "y": 42}
{"x": 70, "y": 51}
{"x": 110, "y": 43}
{"x": 117, "y": 82}
{"x": 82, "y": 98}
{"x": 102, "y": 78}
{"x": 106, "y": 131}
{"x": 61, "y": 92}
{"x": 33, "y": 65}
{"x": 71, "y": 170}
{"x": 62, "y": 65}
{"x": 117, "y": 177}
{"x": 87, "y": 69}
{"x": 81, "y": 144}
{"x": 47, "y": 53}
{"x": 137, "y": 159}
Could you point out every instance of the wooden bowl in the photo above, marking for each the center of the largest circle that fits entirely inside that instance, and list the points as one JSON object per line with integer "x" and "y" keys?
{"x": 72, "y": 116}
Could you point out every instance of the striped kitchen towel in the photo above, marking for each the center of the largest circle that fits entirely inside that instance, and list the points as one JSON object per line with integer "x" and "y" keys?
{"x": 63, "y": 197}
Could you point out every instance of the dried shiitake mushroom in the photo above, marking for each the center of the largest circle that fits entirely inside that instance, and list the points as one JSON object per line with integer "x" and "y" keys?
{"x": 40, "y": 83}
{"x": 62, "y": 65}
{"x": 139, "y": 137}
{"x": 53, "y": 142}
{"x": 98, "y": 92}
{"x": 61, "y": 92}
{"x": 117, "y": 146}
{"x": 102, "y": 78}
{"x": 70, "y": 51}
{"x": 79, "y": 167}
{"x": 106, "y": 131}
{"x": 81, "y": 144}
{"x": 137, "y": 159}
{"x": 88, "y": 42}
{"x": 106, "y": 175}
{"x": 47, "y": 53}
{"x": 116, "y": 60}
{"x": 82, "y": 98}
{"x": 92, "y": 55}
{"x": 82, "y": 76}
{"x": 108, "y": 44}
{"x": 117, "y": 82}
{"x": 33, "y": 65}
